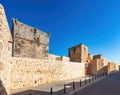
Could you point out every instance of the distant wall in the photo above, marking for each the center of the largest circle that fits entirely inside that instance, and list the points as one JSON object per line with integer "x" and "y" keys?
{"x": 28, "y": 41}
{"x": 98, "y": 66}
{"x": 27, "y": 72}
{"x": 112, "y": 67}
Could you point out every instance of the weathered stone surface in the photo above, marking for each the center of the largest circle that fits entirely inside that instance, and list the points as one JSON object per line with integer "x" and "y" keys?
{"x": 1, "y": 36}
{"x": 1, "y": 65}
{"x": 1, "y": 46}
{"x": 98, "y": 66}
{"x": 1, "y": 20}
{"x": 32, "y": 72}
{"x": 78, "y": 53}
{"x": 28, "y": 41}
{"x": 112, "y": 67}
{"x": 5, "y": 54}
{"x": 90, "y": 57}
{"x": 58, "y": 58}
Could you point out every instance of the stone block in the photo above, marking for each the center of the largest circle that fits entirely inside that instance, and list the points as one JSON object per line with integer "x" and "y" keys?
{"x": 1, "y": 46}
{"x": 1, "y": 36}
{"x": 1, "y": 65}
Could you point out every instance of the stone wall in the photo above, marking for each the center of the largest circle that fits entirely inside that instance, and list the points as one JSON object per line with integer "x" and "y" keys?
{"x": 5, "y": 53}
{"x": 117, "y": 66}
{"x": 90, "y": 57}
{"x": 27, "y": 72}
{"x": 98, "y": 66}
{"x": 112, "y": 67}
{"x": 28, "y": 41}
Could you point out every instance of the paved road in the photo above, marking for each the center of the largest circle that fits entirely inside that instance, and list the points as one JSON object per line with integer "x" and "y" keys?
{"x": 110, "y": 85}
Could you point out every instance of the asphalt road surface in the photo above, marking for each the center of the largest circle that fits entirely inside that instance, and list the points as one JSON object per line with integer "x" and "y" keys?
{"x": 110, "y": 85}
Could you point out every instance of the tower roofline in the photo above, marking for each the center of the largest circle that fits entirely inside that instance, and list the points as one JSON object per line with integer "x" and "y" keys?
{"x": 77, "y": 45}
{"x": 98, "y": 55}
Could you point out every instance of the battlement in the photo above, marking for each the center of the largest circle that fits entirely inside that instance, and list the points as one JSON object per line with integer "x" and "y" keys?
{"x": 99, "y": 56}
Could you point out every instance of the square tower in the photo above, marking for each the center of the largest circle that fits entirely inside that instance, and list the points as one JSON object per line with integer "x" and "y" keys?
{"x": 78, "y": 53}
{"x": 28, "y": 41}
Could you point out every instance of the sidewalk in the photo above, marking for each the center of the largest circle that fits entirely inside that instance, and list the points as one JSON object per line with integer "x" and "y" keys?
{"x": 57, "y": 88}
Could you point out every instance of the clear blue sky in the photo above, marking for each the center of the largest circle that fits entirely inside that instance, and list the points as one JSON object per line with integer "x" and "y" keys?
{"x": 95, "y": 23}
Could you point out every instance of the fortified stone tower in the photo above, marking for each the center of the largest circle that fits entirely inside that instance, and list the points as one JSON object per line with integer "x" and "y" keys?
{"x": 28, "y": 41}
{"x": 5, "y": 53}
{"x": 78, "y": 53}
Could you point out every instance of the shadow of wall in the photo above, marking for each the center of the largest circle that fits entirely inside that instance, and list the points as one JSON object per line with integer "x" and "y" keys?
{"x": 2, "y": 89}
{"x": 94, "y": 70}
{"x": 103, "y": 70}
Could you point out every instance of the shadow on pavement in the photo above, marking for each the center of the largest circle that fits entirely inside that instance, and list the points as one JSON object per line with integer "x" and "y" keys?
{"x": 69, "y": 88}
{"x": 2, "y": 89}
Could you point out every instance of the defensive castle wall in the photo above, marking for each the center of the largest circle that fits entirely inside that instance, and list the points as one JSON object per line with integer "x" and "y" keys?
{"x": 25, "y": 61}
{"x": 24, "y": 58}
{"x": 26, "y": 72}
